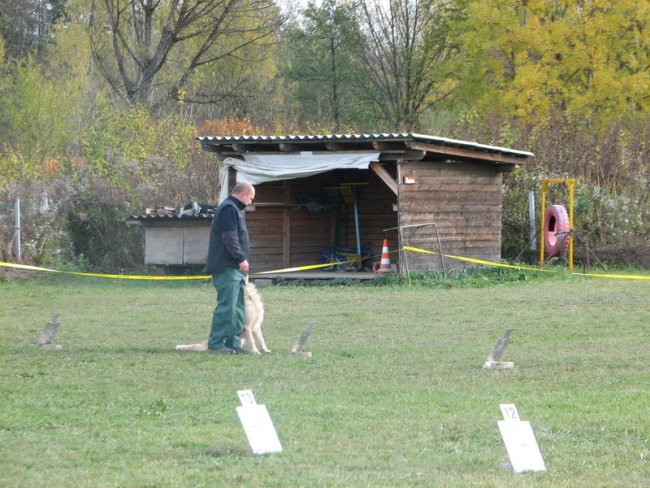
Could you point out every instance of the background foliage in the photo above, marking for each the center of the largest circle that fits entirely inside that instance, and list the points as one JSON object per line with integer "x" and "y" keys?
{"x": 89, "y": 125}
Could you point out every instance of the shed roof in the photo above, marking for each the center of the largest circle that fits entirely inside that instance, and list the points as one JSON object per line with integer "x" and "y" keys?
{"x": 391, "y": 145}
{"x": 170, "y": 217}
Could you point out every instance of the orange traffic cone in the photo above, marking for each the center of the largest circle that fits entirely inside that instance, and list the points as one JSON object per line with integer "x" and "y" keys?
{"x": 384, "y": 265}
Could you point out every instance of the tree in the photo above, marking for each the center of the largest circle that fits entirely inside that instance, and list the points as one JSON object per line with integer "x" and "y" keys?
{"x": 149, "y": 50}
{"x": 36, "y": 123}
{"x": 26, "y": 26}
{"x": 586, "y": 59}
{"x": 48, "y": 109}
{"x": 406, "y": 45}
{"x": 322, "y": 65}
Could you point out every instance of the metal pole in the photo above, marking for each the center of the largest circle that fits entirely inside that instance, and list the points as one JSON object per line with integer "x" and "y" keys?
{"x": 17, "y": 216}
{"x": 442, "y": 259}
{"x": 531, "y": 219}
{"x": 406, "y": 264}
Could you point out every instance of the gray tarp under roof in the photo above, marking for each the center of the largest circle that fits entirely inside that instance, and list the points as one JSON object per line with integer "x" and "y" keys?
{"x": 259, "y": 168}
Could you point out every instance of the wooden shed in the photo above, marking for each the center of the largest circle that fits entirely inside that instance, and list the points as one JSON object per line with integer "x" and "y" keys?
{"x": 339, "y": 196}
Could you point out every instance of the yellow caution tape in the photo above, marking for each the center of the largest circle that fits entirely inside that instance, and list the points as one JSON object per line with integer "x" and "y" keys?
{"x": 311, "y": 266}
{"x": 622, "y": 277}
{"x": 162, "y": 278}
{"x": 99, "y": 275}
{"x": 476, "y": 261}
{"x": 302, "y": 268}
{"x": 502, "y": 265}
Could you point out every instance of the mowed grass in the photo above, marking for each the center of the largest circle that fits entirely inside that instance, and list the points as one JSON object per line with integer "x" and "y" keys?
{"x": 394, "y": 395}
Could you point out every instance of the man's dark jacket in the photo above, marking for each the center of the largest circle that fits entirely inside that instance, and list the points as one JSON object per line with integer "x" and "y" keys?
{"x": 229, "y": 241}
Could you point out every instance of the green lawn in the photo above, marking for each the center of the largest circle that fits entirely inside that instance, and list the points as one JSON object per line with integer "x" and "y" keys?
{"x": 394, "y": 396}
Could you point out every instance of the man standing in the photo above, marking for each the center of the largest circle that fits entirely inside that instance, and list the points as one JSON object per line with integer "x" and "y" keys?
{"x": 228, "y": 254}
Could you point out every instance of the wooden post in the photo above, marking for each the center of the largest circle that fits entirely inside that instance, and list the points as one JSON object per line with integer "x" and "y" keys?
{"x": 494, "y": 359}
{"x": 46, "y": 341}
{"x": 286, "y": 224}
{"x": 301, "y": 341}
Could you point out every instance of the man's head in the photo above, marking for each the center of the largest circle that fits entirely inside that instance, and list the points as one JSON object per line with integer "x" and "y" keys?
{"x": 244, "y": 192}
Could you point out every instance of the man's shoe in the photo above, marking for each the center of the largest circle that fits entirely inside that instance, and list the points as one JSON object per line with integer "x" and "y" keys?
{"x": 223, "y": 351}
{"x": 240, "y": 350}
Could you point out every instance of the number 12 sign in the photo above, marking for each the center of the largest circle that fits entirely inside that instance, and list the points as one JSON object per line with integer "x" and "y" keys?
{"x": 519, "y": 438}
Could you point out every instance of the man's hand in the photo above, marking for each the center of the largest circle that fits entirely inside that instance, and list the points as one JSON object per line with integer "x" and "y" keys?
{"x": 243, "y": 266}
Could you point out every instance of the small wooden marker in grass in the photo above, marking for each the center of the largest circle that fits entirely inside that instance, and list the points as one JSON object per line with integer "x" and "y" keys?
{"x": 494, "y": 359}
{"x": 46, "y": 341}
{"x": 301, "y": 341}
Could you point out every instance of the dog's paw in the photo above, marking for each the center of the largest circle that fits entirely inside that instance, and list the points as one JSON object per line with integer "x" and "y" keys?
{"x": 266, "y": 351}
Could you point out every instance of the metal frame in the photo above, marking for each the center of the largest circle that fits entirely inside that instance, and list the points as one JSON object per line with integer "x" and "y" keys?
{"x": 569, "y": 182}
{"x": 401, "y": 238}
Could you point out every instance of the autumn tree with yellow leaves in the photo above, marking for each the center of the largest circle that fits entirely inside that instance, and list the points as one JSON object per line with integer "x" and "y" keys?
{"x": 533, "y": 58}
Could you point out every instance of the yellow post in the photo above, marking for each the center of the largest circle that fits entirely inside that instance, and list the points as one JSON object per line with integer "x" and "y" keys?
{"x": 541, "y": 226}
{"x": 570, "y": 185}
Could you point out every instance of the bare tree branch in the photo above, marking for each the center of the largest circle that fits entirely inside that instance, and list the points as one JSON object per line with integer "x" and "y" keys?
{"x": 405, "y": 43}
{"x": 145, "y": 34}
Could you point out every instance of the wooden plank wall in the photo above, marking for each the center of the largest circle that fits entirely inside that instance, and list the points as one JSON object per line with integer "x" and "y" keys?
{"x": 463, "y": 200}
{"x": 265, "y": 226}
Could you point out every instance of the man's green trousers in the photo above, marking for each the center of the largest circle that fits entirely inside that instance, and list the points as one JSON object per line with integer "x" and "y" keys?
{"x": 228, "y": 315}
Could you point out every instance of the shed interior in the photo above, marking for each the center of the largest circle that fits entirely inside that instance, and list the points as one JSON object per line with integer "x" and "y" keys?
{"x": 330, "y": 217}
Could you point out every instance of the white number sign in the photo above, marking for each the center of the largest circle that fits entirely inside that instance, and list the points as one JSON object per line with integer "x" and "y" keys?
{"x": 519, "y": 438}
{"x": 257, "y": 424}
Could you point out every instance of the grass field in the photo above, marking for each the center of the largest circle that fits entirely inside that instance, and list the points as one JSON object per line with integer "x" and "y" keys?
{"x": 394, "y": 395}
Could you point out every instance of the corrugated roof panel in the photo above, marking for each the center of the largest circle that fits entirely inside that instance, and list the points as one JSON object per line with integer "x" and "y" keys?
{"x": 149, "y": 217}
{"x": 370, "y": 137}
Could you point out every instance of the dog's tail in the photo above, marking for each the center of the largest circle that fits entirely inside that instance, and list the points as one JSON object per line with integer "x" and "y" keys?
{"x": 201, "y": 347}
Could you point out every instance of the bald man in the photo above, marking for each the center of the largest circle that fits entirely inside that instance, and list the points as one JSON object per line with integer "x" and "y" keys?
{"x": 228, "y": 254}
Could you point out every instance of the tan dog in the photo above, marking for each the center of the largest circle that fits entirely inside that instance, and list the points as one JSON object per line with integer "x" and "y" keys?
{"x": 252, "y": 337}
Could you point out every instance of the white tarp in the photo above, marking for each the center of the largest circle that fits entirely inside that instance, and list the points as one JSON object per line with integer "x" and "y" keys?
{"x": 258, "y": 168}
